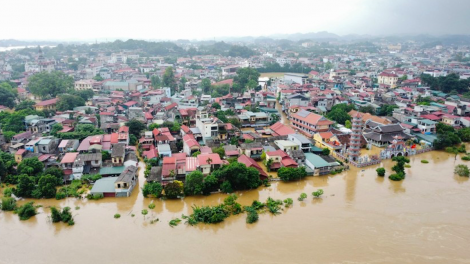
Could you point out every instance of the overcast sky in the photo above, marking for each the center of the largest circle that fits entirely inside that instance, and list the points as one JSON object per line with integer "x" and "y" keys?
{"x": 205, "y": 19}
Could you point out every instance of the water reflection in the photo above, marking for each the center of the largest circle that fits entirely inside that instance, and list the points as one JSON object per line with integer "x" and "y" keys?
{"x": 317, "y": 200}
{"x": 460, "y": 179}
{"x": 397, "y": 186}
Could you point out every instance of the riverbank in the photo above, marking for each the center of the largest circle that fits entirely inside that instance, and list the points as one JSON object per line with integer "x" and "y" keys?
{"x": 372, "y": 219}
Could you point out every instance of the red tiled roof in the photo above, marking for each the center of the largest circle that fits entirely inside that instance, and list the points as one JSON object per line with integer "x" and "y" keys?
{"x": 20, "y": 152}
{"x": 325, "y": 134}
{"x": 202, "y": 159}
{"x": 48, "y": 102}
{"x": 185, "y": 129}
{"x": 124, "y": 129}
{"x": 171, "y": 106}
{"x": 288, "y": 162}
{"x": 130, "y": 103}
{"x": 281, "y": 129}
{"x": 249, "y": 162}
{"x": 69, "y": 157}
{"x": 278, "y": 152}
{"x": 228, "y": 81}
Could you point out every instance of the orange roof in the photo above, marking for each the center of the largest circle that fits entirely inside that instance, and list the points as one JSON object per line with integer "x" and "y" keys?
{"x": 169, "y": 160}
{"x": 312, "y": 119}
{"x": 124, "y": 129}
{"x": 69, "y": 157}
{"x": 48, "y": 102}
{"x": 281, "y": 129}
{"x": 326, "y": 134}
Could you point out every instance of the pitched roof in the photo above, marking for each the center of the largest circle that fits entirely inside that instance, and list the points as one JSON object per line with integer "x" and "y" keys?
{"x": 311, "y": 118}
{"x": 249, "y": 162}
{"x": 69, "y": 157}
{"x": 48, "y": 102}
{"x": 281, "y": 129}
{"x": 202, "y": 159}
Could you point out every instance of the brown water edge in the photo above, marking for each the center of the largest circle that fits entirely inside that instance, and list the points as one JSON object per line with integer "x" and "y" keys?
{"x": 361, "y": 218}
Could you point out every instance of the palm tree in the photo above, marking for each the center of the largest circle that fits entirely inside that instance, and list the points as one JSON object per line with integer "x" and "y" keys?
{"x": 209, "y": 161}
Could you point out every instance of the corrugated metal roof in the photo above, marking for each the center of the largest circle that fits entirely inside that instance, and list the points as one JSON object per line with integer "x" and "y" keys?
{"x": 111, "y": 170}
{"x": 104, "y": 185}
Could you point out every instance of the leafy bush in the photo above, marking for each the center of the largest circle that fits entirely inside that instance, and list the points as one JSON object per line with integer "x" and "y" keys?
{"x": 380, "y": 172}
{"x": 173, "y": 189}
{"x": 466, "y": 158}
{"x": 231, "y": 204}
{"x": 208, "y": 214}
{"x": 288, "y": 202}
{"x": 424, "y": 161}
{"x": 8, "y": 204}
{"x": 7, "y": 192}
{"x": 252, "y": 215}
{"x": 396, "y": 176}
{"x": 152, "y": 188}
{"x": 317, "y": 193}
{"x": 462, "y": 170}
{"x": 257, "y": 205}
{"x": 226, "y": 187}
{"x": 95, "y": 196}
{"x": 26, "y": 211}
{"x": 117, "y": 216}
{"x": 174, "y": 222}
{"x": 291, "y": 174}
{"x": 152, "y": 206}
{"x": 274, "y": 206}
{"x": 60, "y": 196}
{"x": 91, "y": 177}
{"x": 55, "y": 215}
{"x": 302, "y": 197}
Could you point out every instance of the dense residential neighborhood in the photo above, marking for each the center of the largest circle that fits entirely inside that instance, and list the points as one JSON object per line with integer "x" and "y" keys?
{"x": 94, "y": 111}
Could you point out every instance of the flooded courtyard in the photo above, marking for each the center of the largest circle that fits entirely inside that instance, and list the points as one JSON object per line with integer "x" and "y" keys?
{"x": 361, "y": 218}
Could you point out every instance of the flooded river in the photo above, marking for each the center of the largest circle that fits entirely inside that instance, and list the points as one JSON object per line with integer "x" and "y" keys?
{"x": 360, "y": 219}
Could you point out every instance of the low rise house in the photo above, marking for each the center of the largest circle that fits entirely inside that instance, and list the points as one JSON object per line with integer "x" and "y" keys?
{"x": 327, "y": 140}
{"x": 117, "y": 154}
{"x": 68, "y": 145}
{"x": 304, "y": 143}
{"x": 208, "y": 162}
{"x": 280, "y": 159}
{"x": 120, "y": 186}
{"x": 48, "y": 145}
{"x": 231, "y": 151}
{"x": 21, "y": 138}
{"x": 89, "y": 163}
{"x": 47, "y": 105}
{"x": 287, "y": 145}
{"x": 126, "y": 182}
{"x": 319, "y": 165}
{"x": 251, "y": 163}
{"x": 164, "y": 150}
{"x": 252, "y": 150}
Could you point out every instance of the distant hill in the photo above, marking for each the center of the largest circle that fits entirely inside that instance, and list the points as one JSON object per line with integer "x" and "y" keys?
{"x": 16, "y": 43}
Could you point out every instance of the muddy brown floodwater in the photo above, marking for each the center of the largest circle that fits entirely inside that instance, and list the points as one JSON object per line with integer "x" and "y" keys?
{"x": 361, "y": 218}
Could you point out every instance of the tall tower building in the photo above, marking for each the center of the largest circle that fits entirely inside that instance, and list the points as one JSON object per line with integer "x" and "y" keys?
{"x": 355, "y": 141}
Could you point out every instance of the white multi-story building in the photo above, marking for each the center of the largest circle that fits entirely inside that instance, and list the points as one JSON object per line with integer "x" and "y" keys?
{"x": 84, "y": 85}
{"x": 208, "y": 126}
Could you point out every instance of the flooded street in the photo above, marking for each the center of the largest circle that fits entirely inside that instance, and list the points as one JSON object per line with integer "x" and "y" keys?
{"x": 361, "y": 218}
